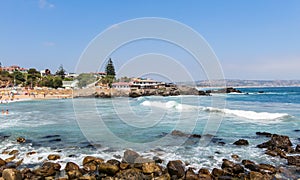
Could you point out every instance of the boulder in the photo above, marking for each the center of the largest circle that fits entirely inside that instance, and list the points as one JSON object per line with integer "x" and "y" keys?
{"x": 71, "y": 166}
{"x": 48, "y": 169}
{"x": 217, "y": 172}
{"x": 107, "y": 168}
{"x": 293, "y": 160}
{"x": 266, "y": 134}
{"x": 11, "y": 174}
{"x": 124, "y": 166}
{"x": 297, "y": 149}
{"x": 74, "y": 174}
{"x": 13, "y": 152}
{"x": 191, "y": 175}
{"x": 278, "y": 141}
{"x": 235, "y": 157}
{"x": 241, "y": 142}
{"x": 2, "y": 162}
{"x": 130, "y": 174}
{"x": 113, "y": 162}
{"x": 157, "y": 159}
{"x": 256, "y": 175}
{"x": 176, "y": 168}
{"x": 250, "y": 165}
{"x": 130, "y": 156}
{"x": 53, "y": 157}
{"x": 149, "y": 168}
{"x": 88, "y": 159}
{"x": 267, "y": 168}
{"x": 21, "y": 140}
{"x": 204, "y": 174}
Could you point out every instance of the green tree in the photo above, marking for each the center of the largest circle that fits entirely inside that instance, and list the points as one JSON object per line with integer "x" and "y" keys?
{"x": 110, "y": 69}
{"x": 19, "y": 77}
{"x": 33, "y": 77}
{"x": 61, "y": 72}
{"x": 57, "y": 82}
{"x": 85, "y": 79}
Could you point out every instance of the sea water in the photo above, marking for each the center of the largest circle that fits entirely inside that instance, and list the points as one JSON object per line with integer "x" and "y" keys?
{"x": 75, "y": 128}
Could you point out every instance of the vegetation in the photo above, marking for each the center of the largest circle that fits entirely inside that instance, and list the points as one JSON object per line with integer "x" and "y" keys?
{"x": 33, "y": 78}
{"x": 85, "y": 79}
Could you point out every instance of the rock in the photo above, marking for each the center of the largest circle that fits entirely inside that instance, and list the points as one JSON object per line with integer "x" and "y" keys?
{"x": 21, "y": 140}
{"x": 178, "y": 133}
{"x": 113, "y": 162}
{"x": 217, "y": 172}
{"x": 227, "y": 164}
{"x": 297, "y": 149}
{"x": 267, "y": 168}
{"x": 157, "y": 160}
{"x": 88, "y": 159}
{"x": 235, "y": 157}
{"x": 2, "y": 162}
{"x": 71, "y": 166}
{"x": 130, "y": 156}
{"x": 250, "y": 165}
{"x": 276, "y": 152}
{"x": 237, "y": 169}
{"x": 107, "y": 168}
{"x": 163, "y": 177}
{"x": 87, "y": 177}
{"x": 53, "y": 157}
{"x": 30, "y": 153}
{"x": 293, "y": 160}
{"x": 130, "y": 174}
{"x": 256, "y": 175}
{"x": 124, "y": 166}
{"x": 191, "y": 175}
{"x": 28, "y": 174}
{"x": 278, "y": 141}
{"x": 13, "y": 152}
{"x": 176, "y": 168}
{"x": 74, "y": 174}
{"x": 11, "y": 174}
{"x": 204, "y": 174}
{"x": 10, "y": 159}
{"x": 48, "y": 169}
{"x": 241, "y": 142}
{"x": 266, "y": 134}
{"x": 151, "y": 167}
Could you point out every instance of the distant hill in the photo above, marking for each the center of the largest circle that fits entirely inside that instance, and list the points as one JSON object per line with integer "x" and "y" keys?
{"x": 243, "y": 83}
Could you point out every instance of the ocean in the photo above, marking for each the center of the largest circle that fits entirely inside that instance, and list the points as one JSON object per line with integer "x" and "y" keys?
{"x": 75, "y": 128}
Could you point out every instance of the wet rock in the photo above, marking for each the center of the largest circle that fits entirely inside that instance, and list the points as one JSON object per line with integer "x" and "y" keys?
{"x": 204, "y": 174}
{"x": 71, "y": 166}
{"x": 130, "y": 156}
{"x": 53, "y": 157}
{"x": 293, "y": 160}
{"x": 13, "y": 152}
{"x": 2, "y": 162}
{"x": 277, "y": 141}
{"x": 267, "y": 168}
{"x": 74, "y": 174}
{"x": 130, "y": 174}
{"x": 176, "y": 168}
{"x": 89, "y": 159}
{"x": 124, "y": 166}
{"x": 241, "y": 142}
{"x": 107, "y": 168}
{"x": 10, "y": 159}
{"x": 21, "y": 140}
{"x": 227, "y": 164}
{"x": 113, "y": 162}
{"x": 297, "y": 149}
{"x": 250, "y": 165}
{"x": 11, "y": 174}
{"x": 30, "y": 153}
{"x": 151, "y": 167}
{"x": 48, "y": 169}
{"x": 256, "y": 175}
{"x": 87, "y": 177}
{"x": 231, "y": 167}
{"x": 28, "y": 174}
{"x": 217, "y": 172}
{"x": 157, "y": 159}
{"x": 235, "y": 157}
{"x": 163, "y": 177}
{"x": 266, "y": 134}
{"x": 191, "y": 175}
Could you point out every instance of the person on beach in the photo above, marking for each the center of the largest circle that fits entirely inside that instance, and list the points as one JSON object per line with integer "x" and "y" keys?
{"x": 6, "y": 112}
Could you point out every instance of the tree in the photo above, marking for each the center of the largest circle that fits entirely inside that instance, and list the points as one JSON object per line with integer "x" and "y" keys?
{"x": 19, "y": 77}
{"x": 57, "y": 82}
{"x": 110, "y": 69}
{"x": 61, "y": 71}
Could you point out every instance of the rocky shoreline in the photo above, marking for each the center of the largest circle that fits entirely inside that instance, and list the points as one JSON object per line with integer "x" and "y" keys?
{"x": 134, "y": 166}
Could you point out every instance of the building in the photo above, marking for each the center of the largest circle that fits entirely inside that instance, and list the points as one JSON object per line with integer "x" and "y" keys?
{"x": 71, "y": 75}
{"x": 140, "y": 83}
{"x": 69, "y": 84}
{"x": 121, "y": 85}
{"x": 14, "y": 68}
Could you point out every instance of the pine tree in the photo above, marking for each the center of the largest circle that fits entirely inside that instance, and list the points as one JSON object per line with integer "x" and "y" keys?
{"x": 110, "y": 69}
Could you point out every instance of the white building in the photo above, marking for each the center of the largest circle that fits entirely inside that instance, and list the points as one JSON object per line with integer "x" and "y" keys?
{"x": 121, "y": 85}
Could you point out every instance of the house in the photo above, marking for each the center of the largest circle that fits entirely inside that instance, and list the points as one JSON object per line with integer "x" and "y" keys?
{"x": 14, "y": 68}
{"x": 69, "y": 84}
{"x": 121, "y": 85}
{"x": 140, "y": 83}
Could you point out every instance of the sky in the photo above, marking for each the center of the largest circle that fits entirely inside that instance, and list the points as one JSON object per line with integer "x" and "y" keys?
{"x": 252, "y": 39}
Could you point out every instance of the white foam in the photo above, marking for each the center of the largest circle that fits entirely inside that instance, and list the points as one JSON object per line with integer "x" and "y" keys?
{"x": 170, "y": 105}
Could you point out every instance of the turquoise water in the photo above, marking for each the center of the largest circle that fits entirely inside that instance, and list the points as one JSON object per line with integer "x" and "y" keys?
{"x": 75, "y": 128}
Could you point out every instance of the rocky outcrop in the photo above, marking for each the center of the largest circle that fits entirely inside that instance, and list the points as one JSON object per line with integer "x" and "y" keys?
{"x": 176, "y": 169}
{"x": 278, "y": 141}
{"x": 241, "y": 142}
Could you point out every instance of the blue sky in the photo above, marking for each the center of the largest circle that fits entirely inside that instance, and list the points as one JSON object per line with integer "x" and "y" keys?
{"x": 252, "y": 39}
